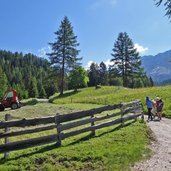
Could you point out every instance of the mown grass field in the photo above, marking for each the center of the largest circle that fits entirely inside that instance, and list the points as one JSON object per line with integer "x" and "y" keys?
{"x": 113, "y": 148}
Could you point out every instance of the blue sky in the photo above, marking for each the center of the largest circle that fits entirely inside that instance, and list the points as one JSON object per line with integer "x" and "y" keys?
{"x": 29, "y": 25}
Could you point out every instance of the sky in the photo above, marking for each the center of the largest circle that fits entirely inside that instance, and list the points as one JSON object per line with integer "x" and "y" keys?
{"x": 28, "y": 26}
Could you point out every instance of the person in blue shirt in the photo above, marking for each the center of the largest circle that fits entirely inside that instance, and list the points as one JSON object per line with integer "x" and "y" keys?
{"x": 150, "y": 105}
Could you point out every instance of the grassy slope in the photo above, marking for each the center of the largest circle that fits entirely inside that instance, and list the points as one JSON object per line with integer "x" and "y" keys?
{"x": 113, "y": 148}
{"x": 113, "y": 95}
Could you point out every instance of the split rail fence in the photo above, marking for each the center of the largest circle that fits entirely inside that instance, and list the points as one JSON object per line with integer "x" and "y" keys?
{"x": 107, "y": 115}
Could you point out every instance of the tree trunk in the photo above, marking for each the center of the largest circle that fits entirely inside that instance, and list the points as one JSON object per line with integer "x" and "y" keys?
{"x": 62, "y": 74}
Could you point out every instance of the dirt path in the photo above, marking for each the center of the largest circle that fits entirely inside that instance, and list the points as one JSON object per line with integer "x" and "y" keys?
{"x": 42, "y": 100}
{"x": 161, "y": 160}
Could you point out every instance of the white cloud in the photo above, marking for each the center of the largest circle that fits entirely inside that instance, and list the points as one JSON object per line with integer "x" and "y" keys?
{"x": 43, "y": 51}
{"x": 88, "y": 64}
{"x": 140, "y": 48}
{"x": 108, "y": 63}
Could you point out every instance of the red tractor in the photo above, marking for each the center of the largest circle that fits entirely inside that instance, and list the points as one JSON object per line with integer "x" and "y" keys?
{"x": 10, "y": 100}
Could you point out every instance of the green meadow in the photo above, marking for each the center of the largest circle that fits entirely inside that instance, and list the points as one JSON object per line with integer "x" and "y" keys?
{"x": 113, "y": 95}
{"x": 112, "y": 148}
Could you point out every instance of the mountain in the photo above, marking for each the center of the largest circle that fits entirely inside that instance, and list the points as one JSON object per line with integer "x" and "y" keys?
{"x": 158, "y": 67}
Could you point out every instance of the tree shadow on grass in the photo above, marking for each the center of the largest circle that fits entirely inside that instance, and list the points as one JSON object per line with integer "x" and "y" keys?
{"x": 66, "y": 94}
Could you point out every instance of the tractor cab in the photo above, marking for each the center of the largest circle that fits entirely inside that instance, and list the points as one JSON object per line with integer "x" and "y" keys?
{"x": 10, "y": 100}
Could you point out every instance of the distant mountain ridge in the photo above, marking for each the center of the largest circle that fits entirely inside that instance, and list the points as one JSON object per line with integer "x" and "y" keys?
{"x": 158, "y": 67}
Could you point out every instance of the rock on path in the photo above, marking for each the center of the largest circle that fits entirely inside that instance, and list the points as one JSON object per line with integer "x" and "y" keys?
{"x": 161, "y": 160}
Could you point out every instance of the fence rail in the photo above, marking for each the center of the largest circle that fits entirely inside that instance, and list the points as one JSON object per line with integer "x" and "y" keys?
{"x": 128, "y": 111}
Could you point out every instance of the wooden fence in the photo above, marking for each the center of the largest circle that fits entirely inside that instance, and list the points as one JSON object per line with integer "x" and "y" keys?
{"x": 107, "y": 115}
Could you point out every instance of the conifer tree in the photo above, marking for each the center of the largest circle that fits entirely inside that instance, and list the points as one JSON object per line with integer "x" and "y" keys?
{"x": 151, "y": 82}
{"x": 126, "y": 59}
{"x": 103, "y": 74}
{"x": 64, "y": 50}
{"x": 167, "y": 4}
{"x": 94, "y": 76}
{"x": 3, "y": 82}
{"x": 41, "y": 90}
{"x": 33, "y": 91}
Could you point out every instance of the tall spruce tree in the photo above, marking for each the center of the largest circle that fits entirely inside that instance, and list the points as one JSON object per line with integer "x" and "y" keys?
{"x": 64, "y": 50}
{"x": 103, "y": 74}
{"x": 33, "y": 91}
{"x": 126, "y": 59}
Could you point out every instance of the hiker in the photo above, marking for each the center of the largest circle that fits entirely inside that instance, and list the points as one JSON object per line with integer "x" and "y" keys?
{"x": 149, "y": 104}
{"x": 154, "y": 109}
{"x": 160, "y": 104}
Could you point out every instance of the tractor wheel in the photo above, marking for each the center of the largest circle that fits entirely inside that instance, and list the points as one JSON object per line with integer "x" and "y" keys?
{"x": 2, "y": 108}
{"x": 14, "y": 106}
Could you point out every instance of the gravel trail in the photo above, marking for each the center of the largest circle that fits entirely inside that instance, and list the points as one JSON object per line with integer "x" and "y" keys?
{"x": 161, "y": 159}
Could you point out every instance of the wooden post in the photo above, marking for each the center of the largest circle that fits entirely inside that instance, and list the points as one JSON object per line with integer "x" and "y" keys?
{"x": 135, "y": 112}
{"x": 58, "y": 130}
{"x": 7, "y": 118}
{"x": 122, "y": 114}
{"x": 142, "y": 114}
{"x": 92, "y": 124}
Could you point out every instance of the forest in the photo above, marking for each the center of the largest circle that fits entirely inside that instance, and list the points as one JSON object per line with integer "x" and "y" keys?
{"x": 28, "y": 74}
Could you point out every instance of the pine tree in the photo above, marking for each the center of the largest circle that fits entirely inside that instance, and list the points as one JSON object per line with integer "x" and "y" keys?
{"x": 33, "y": 91}
{"x": 151, "y": 82}
{"x": 3, "y": 82}
{"x": 51, "y": 81}
{"x": 41, "y": 90}
{"x": 94, "y": 75}
{"x": 126, "y": 59}
{"x": 103, "y": 74}
{"x": 167, "y": 5}
{"x": 64, "y": 53}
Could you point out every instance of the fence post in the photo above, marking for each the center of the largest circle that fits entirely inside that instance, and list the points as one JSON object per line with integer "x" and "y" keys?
{"x": 135, "y": 112}
{"x": 142, "y": 114}
{"x": 57, "y": 121}
{"x": 92, "y": 124}
{"x": 7, "y": 118}
{"x": 122, "y": 114}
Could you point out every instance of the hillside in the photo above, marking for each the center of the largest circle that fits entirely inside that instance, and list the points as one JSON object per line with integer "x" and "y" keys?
{"x": 27, "y": 73}
{"x": 112, "y": 95}
{"x": 158, "y": 67}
